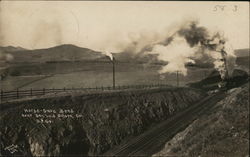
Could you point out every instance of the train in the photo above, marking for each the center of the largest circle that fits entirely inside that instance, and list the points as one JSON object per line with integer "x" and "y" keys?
{"x": 214, "y": 81}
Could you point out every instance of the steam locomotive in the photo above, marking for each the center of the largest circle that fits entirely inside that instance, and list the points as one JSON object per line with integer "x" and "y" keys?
{"x": 214, "y": 81}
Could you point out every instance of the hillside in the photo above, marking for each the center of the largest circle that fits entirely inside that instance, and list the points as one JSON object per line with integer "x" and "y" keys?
{"x": 222, "y": 131}
{"x": 11, "y": 49}
{"x": 58, "y": 53}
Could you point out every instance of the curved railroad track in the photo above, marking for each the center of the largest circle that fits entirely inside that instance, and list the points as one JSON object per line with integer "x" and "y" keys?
{"x": 152, "y": 140}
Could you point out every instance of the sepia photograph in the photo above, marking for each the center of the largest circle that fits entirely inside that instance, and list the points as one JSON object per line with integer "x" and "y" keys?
{"x": 124, "y": 78}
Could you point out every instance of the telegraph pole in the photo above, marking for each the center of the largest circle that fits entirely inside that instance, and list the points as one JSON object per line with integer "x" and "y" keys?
{"x": 177, "y": 78}
{"x": 113, "y": 61}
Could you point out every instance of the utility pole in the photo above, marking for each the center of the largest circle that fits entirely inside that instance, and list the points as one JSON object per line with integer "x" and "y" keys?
{"x": 113, "y": 61}
{"x": 177, "y": 78}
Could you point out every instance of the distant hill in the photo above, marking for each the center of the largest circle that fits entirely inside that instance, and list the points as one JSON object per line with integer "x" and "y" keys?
{"x": 242, "y": 52}
{"x": 57, "y": 54}
{"x": 242, "y": 57}
{"x": 70, "y": 53}
{"x": 11, "y": 49}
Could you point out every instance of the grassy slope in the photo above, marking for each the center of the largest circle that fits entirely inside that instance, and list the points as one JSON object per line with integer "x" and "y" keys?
{"x": 222, "y": 131}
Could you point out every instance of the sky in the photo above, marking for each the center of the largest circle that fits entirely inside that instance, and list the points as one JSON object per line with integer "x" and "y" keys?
{"x": 112, "y": 25}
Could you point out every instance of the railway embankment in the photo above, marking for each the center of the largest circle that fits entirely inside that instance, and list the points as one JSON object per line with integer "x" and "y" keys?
{"x": 222, "y": 131}
{"x": 87, "y": 124}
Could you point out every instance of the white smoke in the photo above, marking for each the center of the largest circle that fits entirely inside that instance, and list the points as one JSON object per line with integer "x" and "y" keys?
{"x": 190, "y": 42}
{"x": 222, "y": 53}
{"x": 108, "y": 53}
{"x": 177, "y": 54}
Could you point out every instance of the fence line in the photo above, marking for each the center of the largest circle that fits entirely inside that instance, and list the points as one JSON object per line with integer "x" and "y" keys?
{"x": 16, "y": 94}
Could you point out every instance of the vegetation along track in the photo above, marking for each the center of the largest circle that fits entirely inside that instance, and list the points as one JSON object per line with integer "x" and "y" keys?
{"x": 151, "y": 141}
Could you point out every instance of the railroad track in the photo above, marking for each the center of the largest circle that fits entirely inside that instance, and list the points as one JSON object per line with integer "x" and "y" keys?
{"x": 149, "y": 142}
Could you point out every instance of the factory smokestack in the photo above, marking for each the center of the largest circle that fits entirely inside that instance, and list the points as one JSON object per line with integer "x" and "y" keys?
{"x": 112, "y": 58}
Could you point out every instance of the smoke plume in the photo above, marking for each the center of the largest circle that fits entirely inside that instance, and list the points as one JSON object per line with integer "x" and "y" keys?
{"x": 191, "y": 42}
{"x": 183, "y": 43}
{"x": 176, "y": 54}
{"x": 109, "y": 54}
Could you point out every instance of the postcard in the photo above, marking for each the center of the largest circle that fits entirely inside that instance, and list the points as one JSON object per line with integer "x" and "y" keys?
{"x": 124, "y": 78}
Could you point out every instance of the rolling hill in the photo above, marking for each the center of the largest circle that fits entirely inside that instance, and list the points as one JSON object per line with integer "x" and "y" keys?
{"x": 57, "y": 53}
{"x": 11, "y": 49}
{"x": 72, "y": 53}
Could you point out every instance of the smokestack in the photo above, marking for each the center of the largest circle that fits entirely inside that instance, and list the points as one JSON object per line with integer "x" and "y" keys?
{"x": 112, "y": 58}
{"x": 113, "y": 61}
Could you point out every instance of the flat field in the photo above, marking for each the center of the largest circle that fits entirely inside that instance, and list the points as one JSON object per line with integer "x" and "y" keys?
{"x": 92, "y": 74}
